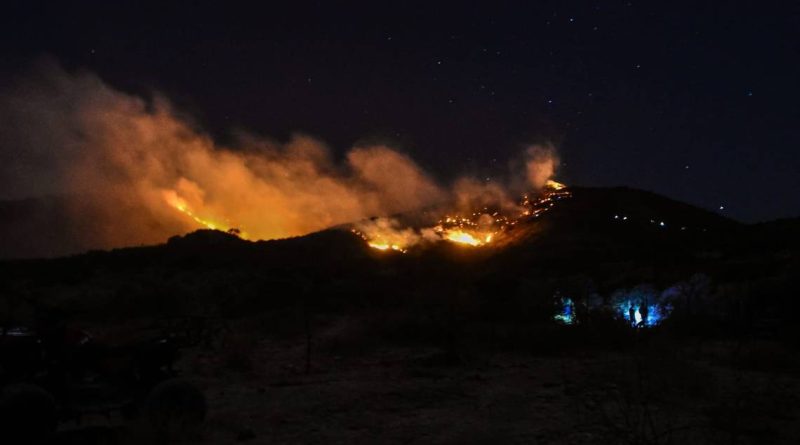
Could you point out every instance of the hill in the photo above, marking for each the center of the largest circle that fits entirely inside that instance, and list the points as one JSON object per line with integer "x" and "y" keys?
{"x": 304, "y": 327}
{"x": 611, "y": 238}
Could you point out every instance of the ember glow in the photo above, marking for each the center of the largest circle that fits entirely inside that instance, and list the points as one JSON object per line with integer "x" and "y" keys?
{"x": 478, "y": 229}
{"x": 459, "y": 236}
{"x": 384, "y": 246}
{"x": 475, "y": 229}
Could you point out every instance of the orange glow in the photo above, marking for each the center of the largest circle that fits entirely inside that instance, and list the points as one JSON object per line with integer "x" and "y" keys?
{"x": 385, "y": 246}
{"x": 382, "y": 236}
{"x": 477, "y": 229}
{"x": 182, "y": 206}
{"x": 462, "y": 237}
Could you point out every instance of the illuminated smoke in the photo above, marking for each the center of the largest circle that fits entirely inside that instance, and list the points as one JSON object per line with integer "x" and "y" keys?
{"x": 541, "y": 163}
{"x": 388, "y": 234}
{"x": 134, "y": 171}
{"x": 470, "y": 194}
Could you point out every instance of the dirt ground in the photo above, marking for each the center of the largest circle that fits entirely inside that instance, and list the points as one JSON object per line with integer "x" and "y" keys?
{"x": 259, "y": 391}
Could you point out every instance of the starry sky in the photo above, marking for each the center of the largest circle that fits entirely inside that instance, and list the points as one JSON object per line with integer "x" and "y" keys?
{"x": 693, "y": 100}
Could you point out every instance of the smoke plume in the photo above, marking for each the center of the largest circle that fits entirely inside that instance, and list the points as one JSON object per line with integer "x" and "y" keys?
{"x": 133, "y": 171}
{"x": 541, "y": 162}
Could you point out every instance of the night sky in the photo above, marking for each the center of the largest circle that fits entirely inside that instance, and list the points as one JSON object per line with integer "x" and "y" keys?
{"x": 697, "y": 102}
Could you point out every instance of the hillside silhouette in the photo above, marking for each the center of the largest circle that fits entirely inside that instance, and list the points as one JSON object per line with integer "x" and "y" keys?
{"x": 540, "y": 321}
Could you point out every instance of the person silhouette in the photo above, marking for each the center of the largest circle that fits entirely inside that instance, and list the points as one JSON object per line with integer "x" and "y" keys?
{"x": 632, "y": 314}
{"x": 644, "y": 311}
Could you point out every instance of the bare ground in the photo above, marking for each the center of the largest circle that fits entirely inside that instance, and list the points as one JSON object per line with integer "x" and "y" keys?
{"x": 260, "y": 391}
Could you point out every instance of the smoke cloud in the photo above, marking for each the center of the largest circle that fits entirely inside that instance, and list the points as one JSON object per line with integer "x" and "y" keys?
{"x": 541, "y": 162}
{"x": 133, "y": 171}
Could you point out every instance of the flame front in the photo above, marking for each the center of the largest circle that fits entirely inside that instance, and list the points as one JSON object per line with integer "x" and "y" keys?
{"x": 385, "y": 246}
{"x": 478, "y": 229}
{"x": 461, "y": 237}
{"x": 182, "y": 206}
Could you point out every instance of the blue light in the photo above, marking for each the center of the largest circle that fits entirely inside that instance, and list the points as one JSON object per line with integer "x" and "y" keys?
{"x": 656, "y": 312}
{"x": 658, "y": 307}
{"x": 567, "y": 315}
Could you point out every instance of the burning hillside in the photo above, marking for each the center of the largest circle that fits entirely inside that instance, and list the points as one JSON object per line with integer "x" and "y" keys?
{"x": 482, "y": 227}
{"x": 135, "y": 171}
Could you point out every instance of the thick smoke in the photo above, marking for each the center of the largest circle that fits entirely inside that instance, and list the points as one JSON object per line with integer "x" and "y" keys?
{"x": 133, "y": 171}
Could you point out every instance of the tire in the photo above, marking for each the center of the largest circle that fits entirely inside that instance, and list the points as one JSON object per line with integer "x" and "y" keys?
{"x": 27, "y": 414}
{"x": 175, "y": 408}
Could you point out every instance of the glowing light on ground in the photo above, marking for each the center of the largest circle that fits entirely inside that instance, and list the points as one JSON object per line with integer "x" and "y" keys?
{"x": 567, "y": 314}
{"x": 656, "y": 313}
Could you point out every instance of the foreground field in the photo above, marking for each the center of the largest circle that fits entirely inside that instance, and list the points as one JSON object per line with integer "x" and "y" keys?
{"x": 265, "y": 390}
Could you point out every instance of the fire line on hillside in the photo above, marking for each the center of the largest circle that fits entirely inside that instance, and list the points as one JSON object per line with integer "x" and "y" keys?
{"x": 477, "y": 229}
{"x": 182, "y": 206}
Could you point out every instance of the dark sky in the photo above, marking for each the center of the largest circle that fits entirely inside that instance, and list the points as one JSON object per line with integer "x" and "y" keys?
{"x": 698, "y": 101}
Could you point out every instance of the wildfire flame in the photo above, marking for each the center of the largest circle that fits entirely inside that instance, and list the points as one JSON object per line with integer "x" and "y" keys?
{"x": 459, "y": 236}
{"x": 182, "y": 206}
{"x": 276, "y": 189}
{"x": 478, "y": 229}
{"x": 384, "y": 246}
